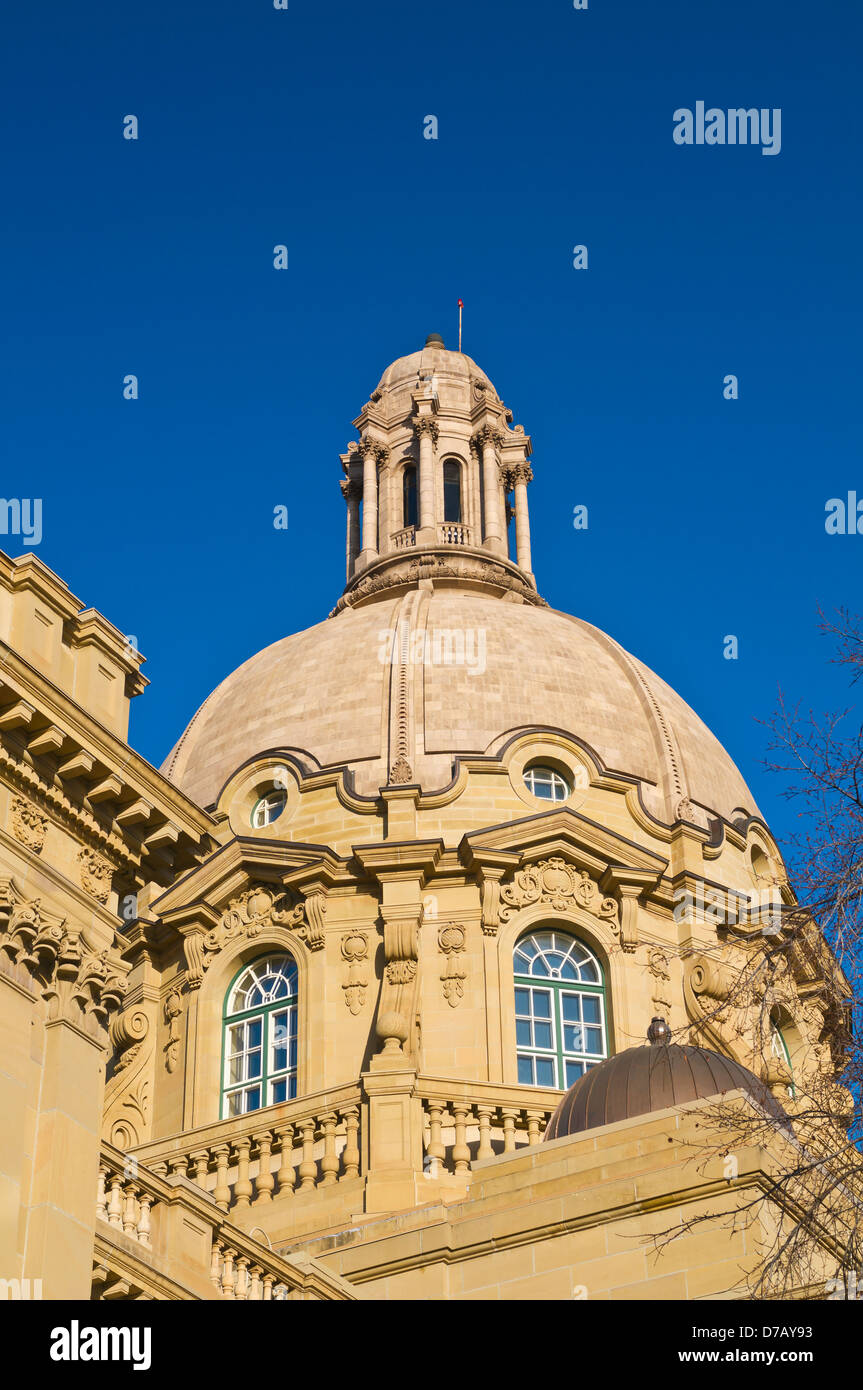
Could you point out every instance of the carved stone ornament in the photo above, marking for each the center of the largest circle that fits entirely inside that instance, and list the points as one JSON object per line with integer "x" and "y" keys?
{"x": 173, "y": 1009}
{"x": 451, "y": 939}
{"x": 355, "y": 950}
{"x": 96, "y": 874}
{"x": 247, "y": 916}
{"x": 401, "y": 773}
{"x": 657, "y": 964}
{"x": 555, "y": 884}
{"x": 29, "y": 824}
{"x": 79, "y": 985}
{"x": 128, "y": 1032}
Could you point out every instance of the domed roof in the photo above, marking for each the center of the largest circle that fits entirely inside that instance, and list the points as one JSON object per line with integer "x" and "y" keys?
{"x": 327, "y": 693}
{"x": 434, "y": 359}
{"x": 654, "y": 1076}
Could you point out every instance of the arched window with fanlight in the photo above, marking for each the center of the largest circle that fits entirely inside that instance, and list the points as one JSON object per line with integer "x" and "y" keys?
{"x": 560, "y": 1011}
{"x": 259, "y": 1056}
{"x": 409, "y": 496}
{"x": 452, "y": 491}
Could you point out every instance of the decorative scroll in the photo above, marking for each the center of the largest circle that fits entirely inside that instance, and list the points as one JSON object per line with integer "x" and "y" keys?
{"x": 557, "y": 885}
{"x": 255, "y": 910}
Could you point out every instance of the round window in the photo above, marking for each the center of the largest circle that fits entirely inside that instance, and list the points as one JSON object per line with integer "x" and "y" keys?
{"x": 546, "y": 783}
{"x": 268, "y": 808}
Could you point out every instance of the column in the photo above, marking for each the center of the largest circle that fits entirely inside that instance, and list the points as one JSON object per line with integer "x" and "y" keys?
{"x": 368, "y": 450}
{"x": 488, "y": 439}
{"x": 351, "y": 493}
{"x": 521, "y": 475}
{"x": 427, "y": 430}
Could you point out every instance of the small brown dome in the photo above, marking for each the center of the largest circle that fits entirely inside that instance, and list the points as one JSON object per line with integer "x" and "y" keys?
{"x": 654, "y": 1076}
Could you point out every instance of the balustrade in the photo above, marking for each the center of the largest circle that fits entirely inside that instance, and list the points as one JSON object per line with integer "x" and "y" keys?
{"x": 406, "y": 539}
{"x": 454, "y": 533}
{"x": 123, "y": 1200}
{"x": 461, "y": 1130}
{"x": 246, "y": 1162}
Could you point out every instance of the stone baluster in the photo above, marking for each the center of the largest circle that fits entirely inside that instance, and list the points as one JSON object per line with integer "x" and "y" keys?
{"x": 216, "y": 1264}
{"x": 241, "y": 1289}
{"x": 222, "y": 1192}
{"x": 509, "y": 1119}
{"x": 101, "y": 1204}
{"x": 179, "y": 1165}
{"x": 228, "y": 1257}
{"x": 308, "y": 1167}
{"x": 485, "y": 1149}
{"x": 351, "y": 1154}
{"x": 460, "y": 1150}
{"x": 201, "y": 1163}
{"x": 436, "y": 1151}
{"x": 160, "y": 1168}
{"x": 329, "y": 1162}
{"x": 144, "y": 1203}
{"x": 534, "y": 1120}
{"x": 255, "y": 1284}
{"x": 268, "y": 1287}
{"x": 285, "y": 1136}
{"x": 265, "y": 1182}
{"x": 115, "y": 1201}
{"x": 242, "y": 1187}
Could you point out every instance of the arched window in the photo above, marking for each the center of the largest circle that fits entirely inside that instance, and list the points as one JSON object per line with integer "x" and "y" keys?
{"x": 779, "y": 1049}
{"x": 452, "y": 491}
{"x": 260, "y": 1037}
{"x": 409, "y": 496}
{"x": 560, "y": 1019}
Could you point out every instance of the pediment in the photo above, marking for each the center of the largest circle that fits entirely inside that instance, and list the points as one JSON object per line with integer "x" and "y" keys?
{"x": 567, "y": 835}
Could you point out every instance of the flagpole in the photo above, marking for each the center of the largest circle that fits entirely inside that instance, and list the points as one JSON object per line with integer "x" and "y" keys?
{"x": 460, "y": 307}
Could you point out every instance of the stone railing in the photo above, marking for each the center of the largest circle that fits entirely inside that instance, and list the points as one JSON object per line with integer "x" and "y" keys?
{"x": 406, "y": 539}
{"x": 141, "y": 1205}
{"x": 465, "y": 1122}
{"x": 284, "y": 1150}
{"x": 454, "y": 533}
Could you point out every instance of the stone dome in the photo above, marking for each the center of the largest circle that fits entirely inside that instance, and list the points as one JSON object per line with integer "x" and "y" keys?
{"x": 327, "y": 693}
{"x": 448, "y": 367}
{"x": 429, "y": 562}
{"x": 653, "y": 1076}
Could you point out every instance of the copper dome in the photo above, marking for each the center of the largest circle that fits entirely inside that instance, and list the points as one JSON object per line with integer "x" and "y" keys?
{"x": 654, "y": 1076}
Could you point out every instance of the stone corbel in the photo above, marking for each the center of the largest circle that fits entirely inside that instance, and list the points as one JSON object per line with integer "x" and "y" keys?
{"x": 490, "y": 866}
{"x": 627, "y": 885}
{"x": 401, "y": 953}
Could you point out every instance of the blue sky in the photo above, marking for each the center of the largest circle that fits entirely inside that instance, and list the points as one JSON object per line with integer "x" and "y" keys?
{"x": 305, "y": 127}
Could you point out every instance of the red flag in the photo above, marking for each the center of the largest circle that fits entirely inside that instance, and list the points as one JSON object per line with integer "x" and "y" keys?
{"x": 461, "y": 304}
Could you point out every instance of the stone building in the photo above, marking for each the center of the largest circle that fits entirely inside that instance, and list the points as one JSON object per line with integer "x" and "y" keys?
{"x": 289, "y": 1017}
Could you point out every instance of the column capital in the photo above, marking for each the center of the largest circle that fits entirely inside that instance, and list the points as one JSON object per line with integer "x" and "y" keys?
{"x": 373, "y": 448}
{"x": 488, "y": 434}
{"x": 350, "y": 488}
{"x": 424, "y": 424}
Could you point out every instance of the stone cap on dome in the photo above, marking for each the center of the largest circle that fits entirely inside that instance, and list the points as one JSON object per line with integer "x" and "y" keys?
{"x": 654, "y": 1076}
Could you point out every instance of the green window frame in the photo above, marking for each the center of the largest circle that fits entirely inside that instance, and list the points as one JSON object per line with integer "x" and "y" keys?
{"x": 259, "y": 1036}
{"x": 560, "y": 1009}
